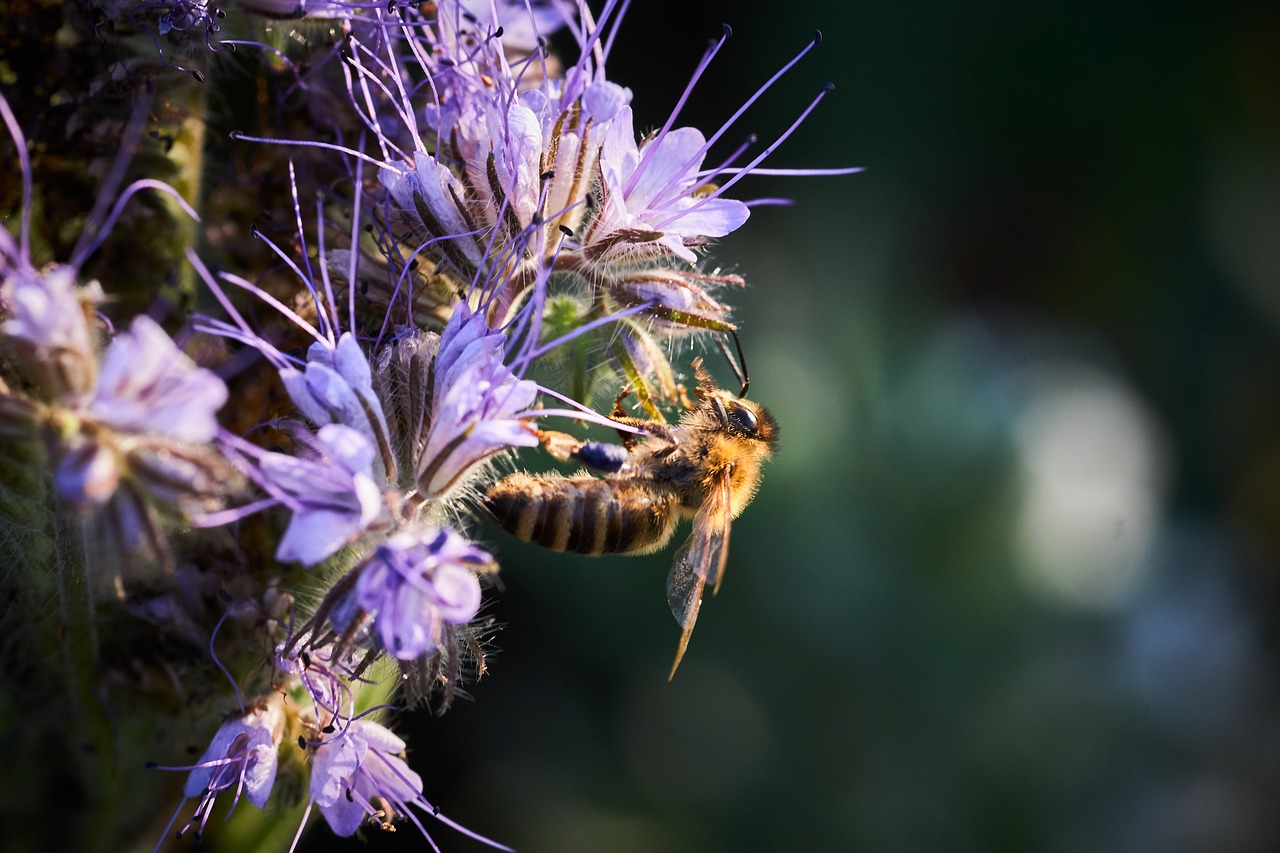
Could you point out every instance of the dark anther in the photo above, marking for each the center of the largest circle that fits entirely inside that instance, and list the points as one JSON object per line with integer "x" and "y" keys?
{"x": 224, "y": 595}
{"x": 350, "y": 799}
{"x": 218, "y": 13}
{"x": 498, "y": 33}
{"x": 817, "y": 37}
{"x": 253, "y": 230}
{"x": 414, "y": 264}
{"x": 180, "y": 832}
{"x": 590, "y": 200}
{"x": 566, "y": 230}
{"x": 828, "y": 87}
{"x": 391, "y": 6}
{"x": 446, "y": 63}
{"x": 329, "y": 729}
{"x": 302, "y": 742}
{"x": 546, "y": 176}
{"x": 537, "y": 221}
{"x": 150, "y": 765}
{"x": 543, "y": 42}
{"x": 435, "y": 810}
{"x": 306, "y": 660}
{"x": 470, "y": 17}
{"x": 368, "y": 228}
{"x": 196, "y": 74}
{"x": 230, "y": 46}
{"x": 235, "y": 134}
{"x": 728, "y": 31}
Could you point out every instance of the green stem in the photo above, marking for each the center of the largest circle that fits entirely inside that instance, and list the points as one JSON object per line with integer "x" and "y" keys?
{"x": 93, "y": 730}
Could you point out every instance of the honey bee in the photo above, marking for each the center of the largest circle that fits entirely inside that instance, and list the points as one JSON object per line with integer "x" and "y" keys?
{"x": 706, "y": 467}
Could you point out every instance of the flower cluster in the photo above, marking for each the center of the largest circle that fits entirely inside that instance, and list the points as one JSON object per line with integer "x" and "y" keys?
{"x": 507, "y": 246}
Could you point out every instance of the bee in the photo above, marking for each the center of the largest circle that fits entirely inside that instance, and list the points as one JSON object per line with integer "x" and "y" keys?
{"x": 706, "y": 467}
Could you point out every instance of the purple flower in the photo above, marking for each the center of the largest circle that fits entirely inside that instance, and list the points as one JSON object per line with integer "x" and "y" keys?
{"x": 415, "y": 586}
{"x": 479, "y": 407}
{"x": 242, "y": 755}
{"x": 45, "y": 310}
{"x": 337, "y": 387}
{"x": 360, "y": 774}
{"x": 48, "y": 313}
{"x": 148, "y": 385}
{"x": 653, "y": 190}
{"x": 333, "y": 497}
{"x": 430, "y": 194}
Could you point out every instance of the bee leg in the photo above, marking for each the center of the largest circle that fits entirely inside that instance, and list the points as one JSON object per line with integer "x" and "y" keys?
{"x": 598, "y": 455}
{"x": 560, "y": 445}
{"x": 628, "y": 439}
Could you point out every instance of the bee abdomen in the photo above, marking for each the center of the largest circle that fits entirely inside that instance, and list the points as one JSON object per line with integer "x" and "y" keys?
{"x": 583, "y": 514}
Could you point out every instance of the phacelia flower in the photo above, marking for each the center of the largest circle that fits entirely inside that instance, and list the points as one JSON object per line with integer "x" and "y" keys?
{"x": 479, "y": 407}
{"x": 333, "y": 495}
{"x": 652, "y": 190}
{"x": 360, "y": 775}
{"x": 337, "y": 387}
{"x": 46, "y": 312}
{"x": 242, "y": 757}
{"x": 415, "y": 586}
{"x": 148, "y": 385}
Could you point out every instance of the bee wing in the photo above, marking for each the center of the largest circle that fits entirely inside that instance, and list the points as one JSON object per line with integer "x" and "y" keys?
{"x": 700, "y": 561}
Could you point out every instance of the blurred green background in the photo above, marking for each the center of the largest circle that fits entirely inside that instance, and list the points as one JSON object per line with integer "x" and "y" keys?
{"x": 1011, "y": 582}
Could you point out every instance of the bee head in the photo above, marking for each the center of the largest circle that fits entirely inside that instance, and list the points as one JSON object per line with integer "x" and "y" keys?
{"x": 735, "y": 415}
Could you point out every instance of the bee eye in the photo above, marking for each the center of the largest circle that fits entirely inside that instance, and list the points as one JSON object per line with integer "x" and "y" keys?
{"x": 742, "y": 418}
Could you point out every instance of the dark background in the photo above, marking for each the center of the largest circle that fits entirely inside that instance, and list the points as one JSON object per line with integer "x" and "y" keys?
{"x": 1011, "y": 582}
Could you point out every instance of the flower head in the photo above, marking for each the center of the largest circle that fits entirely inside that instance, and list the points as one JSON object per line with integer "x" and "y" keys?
{"x": 479, "y": 407}
{"x": 360, "y": 775}
{"x": 333, "y": 495}
{"x": 46, "y": 312}
{"x": 651, "y": 190}
{"x": 416, "y": 586}
{"x": 242, "y": 755}
{"x": 148, "y": 385}
{"x": 337, "y": 387}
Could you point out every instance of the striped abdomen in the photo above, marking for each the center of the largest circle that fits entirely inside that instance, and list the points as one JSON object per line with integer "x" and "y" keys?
{"x": 585, "y": 515}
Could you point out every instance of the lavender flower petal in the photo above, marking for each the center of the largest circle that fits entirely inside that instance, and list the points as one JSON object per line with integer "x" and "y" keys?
{"x": 416, "y": 584}
{"x": 334, "y": 497}
{"x": 147, "y": 384}
{"x": 477, "y": 406}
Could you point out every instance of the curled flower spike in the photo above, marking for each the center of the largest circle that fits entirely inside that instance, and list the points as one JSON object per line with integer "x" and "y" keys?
{"x": 360, "y": 775}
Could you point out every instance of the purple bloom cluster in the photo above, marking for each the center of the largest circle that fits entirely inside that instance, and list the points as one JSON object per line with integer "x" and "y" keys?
{"x": 506, "y": 239}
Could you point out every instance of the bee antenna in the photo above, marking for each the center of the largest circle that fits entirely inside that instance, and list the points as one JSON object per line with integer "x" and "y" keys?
{"x": 739, "y": 366}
